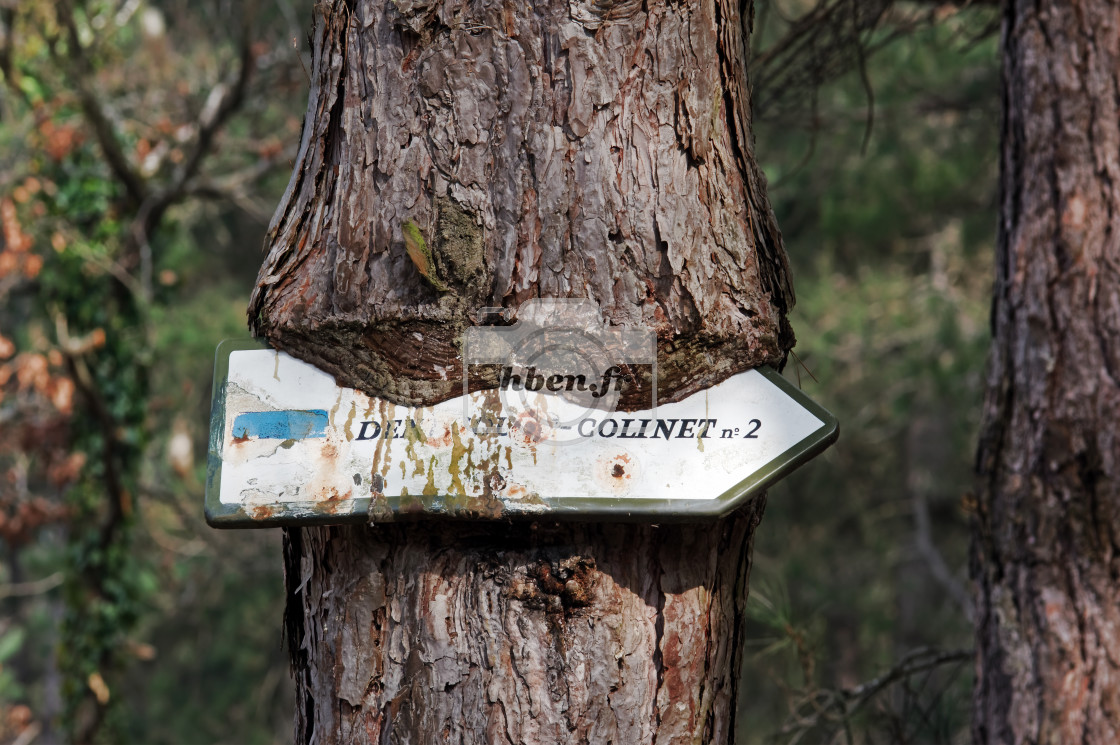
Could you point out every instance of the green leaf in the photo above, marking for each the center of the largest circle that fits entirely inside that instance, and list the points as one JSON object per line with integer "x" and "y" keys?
{"x": 10, "y": 643}
{"x": 31, "y": 88}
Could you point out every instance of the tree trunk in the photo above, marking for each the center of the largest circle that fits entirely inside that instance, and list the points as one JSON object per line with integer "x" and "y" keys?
{"x": 1046, "y": 548}
{"x": 551, "y": 633}
{"x": 559, "y": 149}
{"x": 566, "y": 148}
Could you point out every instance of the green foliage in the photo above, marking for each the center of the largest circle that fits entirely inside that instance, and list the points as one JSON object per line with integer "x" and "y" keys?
{"x": 891, "y": 250}
{"x": 930, "y": 159}
{"x": 221, "y": 670}
{"x": 118, "y": 293}
{"x": 11, "y": 641}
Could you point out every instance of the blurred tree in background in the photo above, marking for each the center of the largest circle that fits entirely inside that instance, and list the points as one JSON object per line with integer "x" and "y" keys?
{"x": 142, "y": 148}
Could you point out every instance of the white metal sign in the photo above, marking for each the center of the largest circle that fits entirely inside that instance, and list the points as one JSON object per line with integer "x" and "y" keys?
{"x": 289, "y": 446}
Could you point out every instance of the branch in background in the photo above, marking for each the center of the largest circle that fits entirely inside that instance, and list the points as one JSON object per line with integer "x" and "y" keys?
{"x": 832, "y": 38}
{"x": 73, "y": 353}
{"x": 29, "y": 734}
{"x": 234, "y": 187}
{"x": 26, "y": 589}
{"x": 935, "y": 562}
{"x": 868, "y": 89}
{"x": 816, "y": 48}
{"x": 95, "y": 113}
{"x": 918, "y": 661}
{"x": 224, "y": 99}
{"x": 835, "y": 708}
{"x": 7, "y": 36}
{"x": 919, "y": 475}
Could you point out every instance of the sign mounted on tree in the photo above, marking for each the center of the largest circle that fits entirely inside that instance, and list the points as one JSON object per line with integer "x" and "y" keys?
{"x": 288, "y": 445}
{"x": 458, "y": 156}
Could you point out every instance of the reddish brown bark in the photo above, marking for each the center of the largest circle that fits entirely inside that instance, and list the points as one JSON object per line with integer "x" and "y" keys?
{"x": 550, "y": 633}
{"x": 1046, "y": 551}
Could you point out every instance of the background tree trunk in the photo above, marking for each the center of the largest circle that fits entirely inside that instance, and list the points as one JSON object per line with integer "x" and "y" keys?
{"x": 560, "y": 149}
{"x": 1046, "y": 549}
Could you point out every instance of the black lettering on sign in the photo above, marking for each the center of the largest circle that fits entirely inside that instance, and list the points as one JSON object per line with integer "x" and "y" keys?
{"x": 750, "y": 435}
{"x": 397, "y": 430}
{"x": 627, "y": 434}
{"x": 686, "y": 429}
{"x": 365, "y": 434}
{"x": 613, "y": 429}
{"x": 662, "y": 427}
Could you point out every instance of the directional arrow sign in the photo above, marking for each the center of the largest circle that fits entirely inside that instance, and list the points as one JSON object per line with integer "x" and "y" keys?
{"x": 289, "y": 446}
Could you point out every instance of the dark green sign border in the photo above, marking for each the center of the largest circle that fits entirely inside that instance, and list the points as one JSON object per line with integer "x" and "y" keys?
{"x": 221, "y": 515}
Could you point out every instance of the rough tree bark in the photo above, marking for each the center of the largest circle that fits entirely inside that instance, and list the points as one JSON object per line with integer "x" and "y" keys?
{"x": 1046, "y": 548}
{"x": 562, "y": 149}
{"x": 566, "y": 148}
{"x": 546, "y": 633}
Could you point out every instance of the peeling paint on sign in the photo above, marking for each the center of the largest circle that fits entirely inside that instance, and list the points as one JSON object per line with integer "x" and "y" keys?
{"x": 289, "y": 446}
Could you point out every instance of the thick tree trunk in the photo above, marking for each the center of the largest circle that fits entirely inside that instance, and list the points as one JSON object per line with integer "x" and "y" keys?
{"x": 556, "y": 149}
{"x": 1046, "y": 550}
{"x": 565, "y": 148}
{"x": 469, "y": 633}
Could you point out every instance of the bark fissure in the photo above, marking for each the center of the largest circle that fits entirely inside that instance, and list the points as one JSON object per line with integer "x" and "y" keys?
{"x": 658, "y": 657}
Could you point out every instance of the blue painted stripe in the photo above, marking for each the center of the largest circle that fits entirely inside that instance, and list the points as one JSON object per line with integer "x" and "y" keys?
{"x": 281, "y": 425}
